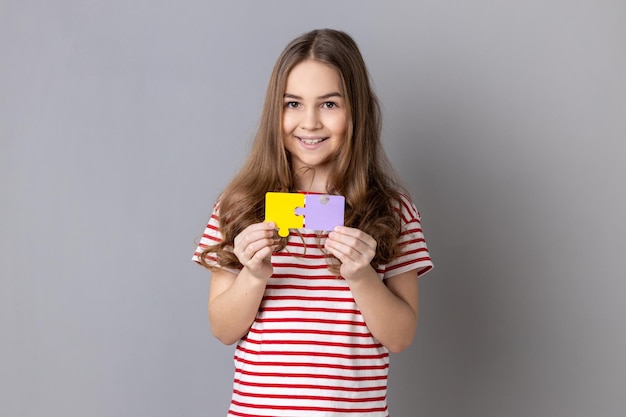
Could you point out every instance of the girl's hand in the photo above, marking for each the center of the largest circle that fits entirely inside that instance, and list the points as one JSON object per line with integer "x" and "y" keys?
{"x": 354, "y": 248}
{"x": 254, "y": 246}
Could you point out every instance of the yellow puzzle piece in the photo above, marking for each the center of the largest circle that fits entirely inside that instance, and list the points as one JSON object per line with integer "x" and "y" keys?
{"x": 280, "y": 208}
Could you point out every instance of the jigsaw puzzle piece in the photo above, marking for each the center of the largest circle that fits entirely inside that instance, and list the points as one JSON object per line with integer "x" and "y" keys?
{"x": 280, "y": 208}
{"x": 323, "y": 212}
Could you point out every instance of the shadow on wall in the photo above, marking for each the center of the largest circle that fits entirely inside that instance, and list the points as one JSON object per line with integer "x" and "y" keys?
{"x": 489, "y": 223}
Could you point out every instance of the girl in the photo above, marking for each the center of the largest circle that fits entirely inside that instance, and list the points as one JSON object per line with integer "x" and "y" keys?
{"x": 315, "y": 314}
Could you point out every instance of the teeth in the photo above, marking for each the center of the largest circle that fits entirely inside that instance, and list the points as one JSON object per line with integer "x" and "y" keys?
{"x": 311, "y": 141}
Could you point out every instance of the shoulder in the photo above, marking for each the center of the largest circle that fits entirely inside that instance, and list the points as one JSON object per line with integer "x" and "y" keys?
{"x": 406, "y": 209}
{"x": 412, "y": 250}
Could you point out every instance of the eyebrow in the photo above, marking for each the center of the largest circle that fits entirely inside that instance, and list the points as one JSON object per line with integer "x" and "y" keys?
{"x": 324, "y": 97}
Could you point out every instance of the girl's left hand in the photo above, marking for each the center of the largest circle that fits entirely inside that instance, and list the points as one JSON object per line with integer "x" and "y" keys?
{"x": 354, "y": 248}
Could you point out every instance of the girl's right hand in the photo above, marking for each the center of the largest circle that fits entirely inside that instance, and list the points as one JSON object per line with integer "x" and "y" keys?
{"x": 254, "y": 246}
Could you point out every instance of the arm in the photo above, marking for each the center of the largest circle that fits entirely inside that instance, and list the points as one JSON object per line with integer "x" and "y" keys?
{"x": 234, "y": 299}
{"x": 390, "y": 310}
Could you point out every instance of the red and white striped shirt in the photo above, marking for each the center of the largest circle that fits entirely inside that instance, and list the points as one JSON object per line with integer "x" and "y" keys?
{"x": 308, "y": 351}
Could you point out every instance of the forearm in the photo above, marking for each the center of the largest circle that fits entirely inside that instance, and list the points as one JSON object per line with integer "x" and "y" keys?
{"x": 390, "y": 319}
{"x": 232, "y": 312}
{"x": 234, "y": 299}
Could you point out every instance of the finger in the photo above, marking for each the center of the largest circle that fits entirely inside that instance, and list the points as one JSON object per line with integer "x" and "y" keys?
{"x": 254, "y": 251}
{"x": 254, "y": 247}
{"x": 261, "y": 256}
{"x": 247, "y": 244}
{"x": 350, "y": 250}
{"x": 347, "y": 253}
{"x": 254, "y": 233}
{"x": 257, "y": 228}
{"x": 349, "y": 232}
{"x": 354, "y": 243}
{"x": 338, "y": 250}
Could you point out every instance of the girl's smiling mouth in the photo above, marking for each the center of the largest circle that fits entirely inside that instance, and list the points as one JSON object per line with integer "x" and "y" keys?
{"x": 311, "y": 140}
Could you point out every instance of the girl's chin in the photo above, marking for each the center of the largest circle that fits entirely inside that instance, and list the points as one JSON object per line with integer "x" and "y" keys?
{"x": 302, "y": 166}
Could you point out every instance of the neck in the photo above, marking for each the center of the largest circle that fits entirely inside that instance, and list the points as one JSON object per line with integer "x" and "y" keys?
{"x": 313, "y": 180}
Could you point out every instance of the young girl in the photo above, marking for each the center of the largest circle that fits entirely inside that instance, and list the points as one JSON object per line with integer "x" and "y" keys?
{"x": 315, "y": 314}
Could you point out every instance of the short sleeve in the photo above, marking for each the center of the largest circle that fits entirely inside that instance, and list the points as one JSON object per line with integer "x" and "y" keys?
{"x": 210, "y": 237}
{"x": 413, "y": 252}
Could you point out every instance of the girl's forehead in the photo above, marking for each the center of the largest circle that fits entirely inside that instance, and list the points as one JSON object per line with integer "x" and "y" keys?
{"x": 313, "y": 77}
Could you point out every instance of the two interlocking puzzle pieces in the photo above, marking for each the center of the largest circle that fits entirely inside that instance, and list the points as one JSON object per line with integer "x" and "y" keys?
{"x": 295, "y": 210}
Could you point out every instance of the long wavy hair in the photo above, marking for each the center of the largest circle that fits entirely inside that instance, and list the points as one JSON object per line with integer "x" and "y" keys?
{"x": 360, "y": 172}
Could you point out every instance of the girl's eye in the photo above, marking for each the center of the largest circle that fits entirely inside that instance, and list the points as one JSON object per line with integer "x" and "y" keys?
{"x": 292, "y": 104}
{"x": 330, "y": 105}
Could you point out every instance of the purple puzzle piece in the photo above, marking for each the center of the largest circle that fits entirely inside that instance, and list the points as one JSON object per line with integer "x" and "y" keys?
{"x": 322, "y": 212}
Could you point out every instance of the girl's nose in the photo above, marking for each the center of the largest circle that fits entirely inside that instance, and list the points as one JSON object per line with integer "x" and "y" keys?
{"x": 311, "y": 119}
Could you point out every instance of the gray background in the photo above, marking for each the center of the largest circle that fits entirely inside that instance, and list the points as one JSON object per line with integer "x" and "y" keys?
{"x": 120, "y": 122}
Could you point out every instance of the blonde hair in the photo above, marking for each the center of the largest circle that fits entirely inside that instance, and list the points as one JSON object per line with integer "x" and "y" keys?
{"x": 361, "y": 172}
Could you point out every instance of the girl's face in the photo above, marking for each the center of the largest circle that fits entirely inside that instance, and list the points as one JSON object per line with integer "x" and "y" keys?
{"x": 314, "y": 116}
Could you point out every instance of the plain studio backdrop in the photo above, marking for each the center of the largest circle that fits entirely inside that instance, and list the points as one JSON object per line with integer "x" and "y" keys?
{"x": 121, "y": 121}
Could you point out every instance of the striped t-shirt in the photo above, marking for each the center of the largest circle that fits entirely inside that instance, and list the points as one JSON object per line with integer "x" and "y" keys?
{"x": 308, "y": 351}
